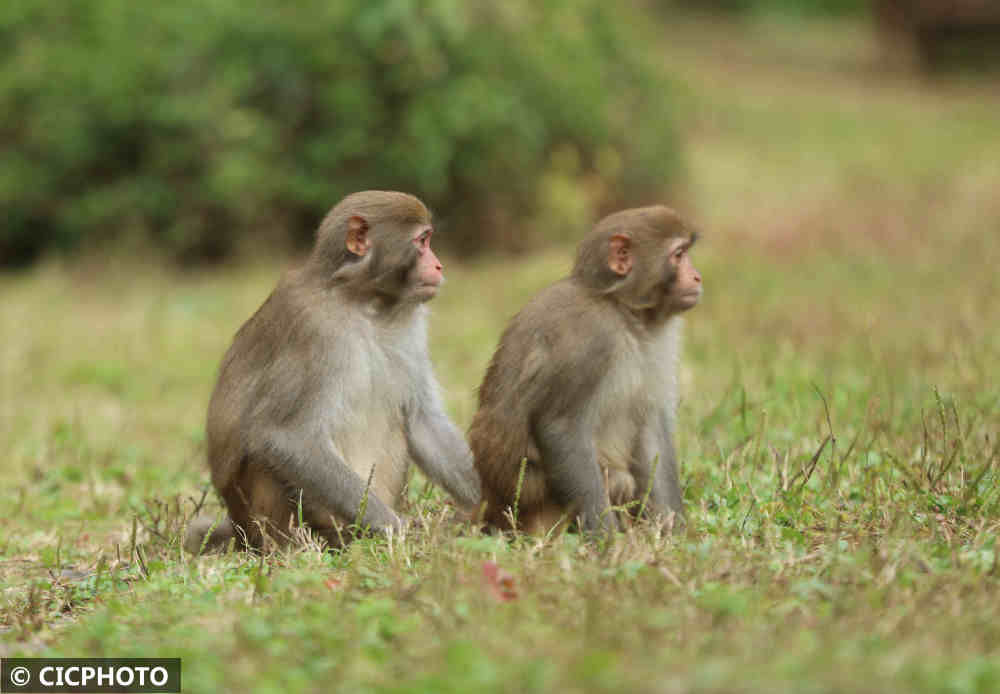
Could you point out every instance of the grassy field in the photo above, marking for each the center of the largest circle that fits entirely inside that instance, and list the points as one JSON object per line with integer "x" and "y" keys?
{"x": 850, "y": 264}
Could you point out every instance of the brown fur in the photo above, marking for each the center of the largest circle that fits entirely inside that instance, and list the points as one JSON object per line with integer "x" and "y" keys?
{"x": 330, "y": 382}
{"x": 583, "y": 383}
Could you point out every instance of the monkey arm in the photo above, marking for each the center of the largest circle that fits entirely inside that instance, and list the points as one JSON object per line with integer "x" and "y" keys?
{"x": 656, "y": 443}
{"x": 309, "y": 464}
{"x": 572, "y": 473}
{"x": 440, "y": 450}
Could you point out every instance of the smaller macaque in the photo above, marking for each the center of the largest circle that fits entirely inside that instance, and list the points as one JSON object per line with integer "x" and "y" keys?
{"x": 583, "y": 385}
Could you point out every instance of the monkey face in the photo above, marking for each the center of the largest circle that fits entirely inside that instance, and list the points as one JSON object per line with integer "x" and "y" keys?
{"x": 686, "y": 288}
{"x": 392, "y": 250}
{"x": 426, "y": 275}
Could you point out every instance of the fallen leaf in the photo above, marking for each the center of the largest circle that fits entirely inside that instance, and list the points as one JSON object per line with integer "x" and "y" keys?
{"x": 499, "y": 583}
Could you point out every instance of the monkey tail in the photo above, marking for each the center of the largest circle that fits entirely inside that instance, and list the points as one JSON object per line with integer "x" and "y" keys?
{"x": 208, "y": 534}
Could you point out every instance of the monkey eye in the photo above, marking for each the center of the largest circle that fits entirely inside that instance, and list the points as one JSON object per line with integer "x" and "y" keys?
{"x": 423, "y": 240}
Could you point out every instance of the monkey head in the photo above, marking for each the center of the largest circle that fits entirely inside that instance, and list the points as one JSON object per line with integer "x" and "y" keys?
{"x": 640, "y": 257}
{"x": 379, "y": 243}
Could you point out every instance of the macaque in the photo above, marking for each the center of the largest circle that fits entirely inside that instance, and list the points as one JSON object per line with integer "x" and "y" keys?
{"x": 583, "y": 386}
{"x": 329, "y": 386}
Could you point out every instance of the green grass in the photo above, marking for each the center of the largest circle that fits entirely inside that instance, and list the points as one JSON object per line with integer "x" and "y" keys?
{"x": 850, "y": 263}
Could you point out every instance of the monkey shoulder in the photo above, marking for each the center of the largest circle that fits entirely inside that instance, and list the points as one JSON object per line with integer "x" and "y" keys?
{"x": 301, "y": 343}
{"x": 567, "y": 314}
{"x": 565, "y": 340}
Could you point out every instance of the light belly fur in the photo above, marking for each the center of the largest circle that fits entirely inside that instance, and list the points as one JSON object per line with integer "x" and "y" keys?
{"x": 379, "y": 442}
{"x": 369, "y": 426}
{"x": 618, "y": 416}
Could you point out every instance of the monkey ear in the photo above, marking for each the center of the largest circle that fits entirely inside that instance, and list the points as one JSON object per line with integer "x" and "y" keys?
{"x": 620, "y": 254}
{"x": 358, "y": 242}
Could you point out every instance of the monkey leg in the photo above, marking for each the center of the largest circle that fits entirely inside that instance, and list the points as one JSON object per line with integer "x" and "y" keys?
{"x": 547, "y": 518}
{"x": 504, "y": 498}
{"x": 335, "y": 531}
{"x": 265, "y": 509}
{"x": 207, "y": 534}
{"x": 260, "y": 507}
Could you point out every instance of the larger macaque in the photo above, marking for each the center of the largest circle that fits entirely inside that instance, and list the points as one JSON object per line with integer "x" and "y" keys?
{"x": 329, "y": 384}
{"x": 584, "y": 383}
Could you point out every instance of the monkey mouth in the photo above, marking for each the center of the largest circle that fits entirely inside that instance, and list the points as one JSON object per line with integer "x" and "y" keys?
{"x": 689, "y": 299}
{"x": 425, "y": 291}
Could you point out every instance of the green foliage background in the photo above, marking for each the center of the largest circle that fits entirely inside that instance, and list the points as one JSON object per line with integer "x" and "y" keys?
{"x": 788, "y": 7}
{"x": 193, "y": 123}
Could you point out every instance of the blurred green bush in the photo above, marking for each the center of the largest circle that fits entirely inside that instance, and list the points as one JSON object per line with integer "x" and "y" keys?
{"x": 789, "y": 7}
{"x": 194, "y": 124}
